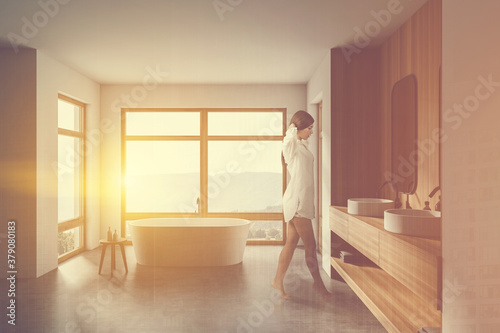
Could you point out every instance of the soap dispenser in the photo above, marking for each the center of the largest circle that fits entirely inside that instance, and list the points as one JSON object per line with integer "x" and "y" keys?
{"x": 427, "y": 206}
{"x": 115, "y": 236}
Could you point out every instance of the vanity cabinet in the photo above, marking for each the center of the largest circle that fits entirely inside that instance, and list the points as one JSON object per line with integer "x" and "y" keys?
{"x": 401, "y": 281}
{"x": 365, "y": 240}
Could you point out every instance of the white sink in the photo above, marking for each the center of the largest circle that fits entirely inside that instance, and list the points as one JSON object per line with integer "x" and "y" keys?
{"x": 369, "y": 206}
{"x": 413, "y": 222}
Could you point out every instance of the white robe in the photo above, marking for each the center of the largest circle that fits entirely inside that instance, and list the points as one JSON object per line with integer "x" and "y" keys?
{"x": 298, "y": 199}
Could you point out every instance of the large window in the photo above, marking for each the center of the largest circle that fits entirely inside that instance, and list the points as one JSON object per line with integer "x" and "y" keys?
{"x": 71, "y": 160}
{"x": 205, "y": 162}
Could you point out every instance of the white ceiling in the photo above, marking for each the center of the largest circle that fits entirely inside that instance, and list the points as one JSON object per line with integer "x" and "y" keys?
{"x": 252, "y": 41}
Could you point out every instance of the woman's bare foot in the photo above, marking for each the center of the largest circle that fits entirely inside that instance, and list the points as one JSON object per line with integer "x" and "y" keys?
{"x": 320, "y": 288}
{"x": 281, "y": 289}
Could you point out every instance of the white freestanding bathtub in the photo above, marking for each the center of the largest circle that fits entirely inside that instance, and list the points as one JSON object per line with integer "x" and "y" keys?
{"x": 189, "y": 241}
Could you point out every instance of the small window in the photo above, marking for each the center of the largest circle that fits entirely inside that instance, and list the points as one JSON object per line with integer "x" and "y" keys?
{"x": 71, "y": 177}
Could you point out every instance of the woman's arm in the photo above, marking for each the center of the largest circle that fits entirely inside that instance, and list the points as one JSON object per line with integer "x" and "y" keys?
{"x": 290, "y": 142}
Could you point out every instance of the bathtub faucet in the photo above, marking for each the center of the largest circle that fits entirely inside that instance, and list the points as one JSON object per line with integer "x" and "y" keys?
{"x": 198, "y": 210}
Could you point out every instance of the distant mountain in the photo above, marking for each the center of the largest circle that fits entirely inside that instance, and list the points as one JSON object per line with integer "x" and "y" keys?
{"x": 162, "y": 193}
{"x": 238, "y": 192}
{"x": 245, "y": 192}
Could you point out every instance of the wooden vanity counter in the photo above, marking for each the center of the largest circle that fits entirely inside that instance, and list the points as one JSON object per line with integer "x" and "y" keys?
{"x": 401, "y": 282}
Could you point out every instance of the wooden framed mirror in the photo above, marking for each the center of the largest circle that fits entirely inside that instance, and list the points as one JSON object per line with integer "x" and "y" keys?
{"x": 404, "y": 125}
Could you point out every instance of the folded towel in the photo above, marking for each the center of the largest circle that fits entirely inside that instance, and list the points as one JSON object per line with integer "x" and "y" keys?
{"x": 350, "y": 258}
{"x": 345, "y": 254}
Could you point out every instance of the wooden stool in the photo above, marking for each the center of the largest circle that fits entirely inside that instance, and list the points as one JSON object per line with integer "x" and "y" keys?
{"x": 105, "y": 243}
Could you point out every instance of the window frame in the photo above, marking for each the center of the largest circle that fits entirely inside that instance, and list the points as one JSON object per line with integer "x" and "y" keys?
{"x": 78, "y": 222}
{"x": 204, "y": 139}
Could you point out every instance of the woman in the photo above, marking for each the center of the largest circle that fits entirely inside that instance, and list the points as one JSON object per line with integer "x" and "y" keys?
{"x": 298, "y": 201}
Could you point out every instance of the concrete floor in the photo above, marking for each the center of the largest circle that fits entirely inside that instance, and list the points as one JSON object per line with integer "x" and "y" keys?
{"x": 74, "y": 298}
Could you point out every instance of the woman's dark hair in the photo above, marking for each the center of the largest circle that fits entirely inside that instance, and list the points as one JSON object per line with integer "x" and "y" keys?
{"x": 302, "y": 120}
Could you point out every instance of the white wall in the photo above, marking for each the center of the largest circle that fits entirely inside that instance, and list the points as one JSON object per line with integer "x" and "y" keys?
{"x": 154, "y": 95}
{"x": 471, "y": 167}
{"x": 54, "y": 78}
{"x": 18, "y": 158}
{"x": 318, "y": 89}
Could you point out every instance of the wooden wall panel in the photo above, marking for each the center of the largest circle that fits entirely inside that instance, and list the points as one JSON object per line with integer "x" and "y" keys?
{"x": 361, "y": 109}
{"x": 415, "y": 48}
{"x": 355, "y": 125}
{"x": 337, "y": 132}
